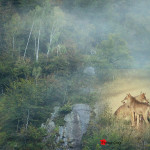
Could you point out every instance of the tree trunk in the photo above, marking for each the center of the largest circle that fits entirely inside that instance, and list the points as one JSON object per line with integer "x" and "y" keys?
{"x": 37, "y": 52}
{"x": 28, "y": 41}
{"x": 35, "y": 46}
{"x": 13, "y": 44}
{"x": 27, "y": 119}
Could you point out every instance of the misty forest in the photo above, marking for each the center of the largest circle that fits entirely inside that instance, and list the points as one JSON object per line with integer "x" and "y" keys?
{"x": 65, "y": 66}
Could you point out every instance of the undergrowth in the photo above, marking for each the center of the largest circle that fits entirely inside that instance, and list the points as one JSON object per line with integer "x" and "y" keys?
{"x": 107, "y": 127}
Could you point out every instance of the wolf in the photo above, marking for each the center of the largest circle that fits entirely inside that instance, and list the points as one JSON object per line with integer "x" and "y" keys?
{"x": 136, "y": 109}
{"x": 124, "y": 112}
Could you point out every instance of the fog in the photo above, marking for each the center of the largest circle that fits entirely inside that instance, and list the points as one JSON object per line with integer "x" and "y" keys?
{"x": 91, "y": 22}
{"x": 67, "y": 52}
{"x": 129, "y": 19}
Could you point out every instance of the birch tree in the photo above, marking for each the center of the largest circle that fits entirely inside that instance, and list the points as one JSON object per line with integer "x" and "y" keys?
{"x": 56, "y": 22}
{"x": 28, "y": 40}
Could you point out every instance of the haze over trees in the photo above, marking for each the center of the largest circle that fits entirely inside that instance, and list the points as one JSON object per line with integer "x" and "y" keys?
{"x": 44, "y": 48}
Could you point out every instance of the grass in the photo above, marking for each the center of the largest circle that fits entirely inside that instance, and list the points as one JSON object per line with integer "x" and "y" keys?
{"x": 112, "y": 130}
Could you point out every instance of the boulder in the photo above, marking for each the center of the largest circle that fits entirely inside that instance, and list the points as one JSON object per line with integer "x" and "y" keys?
{"x": 76, "y": 125}
{"x": 50, "y": 125}
{"x": 89, "y": 71}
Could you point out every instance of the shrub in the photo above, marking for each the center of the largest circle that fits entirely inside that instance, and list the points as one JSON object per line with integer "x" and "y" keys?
{"x": 112, "y": 130}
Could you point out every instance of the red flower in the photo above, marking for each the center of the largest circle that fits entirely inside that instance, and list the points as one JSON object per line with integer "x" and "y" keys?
{"x": 103, "y": 142}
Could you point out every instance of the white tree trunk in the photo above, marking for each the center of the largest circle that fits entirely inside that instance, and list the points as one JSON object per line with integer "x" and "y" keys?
{"x": 51, "y": 37}
{"x": 27, "y": 119}
{"x": 35, "y": 46}
{"x": 13, "y": 44}
{"x": 38, "y": 44}
{"x": 28, "y": 41}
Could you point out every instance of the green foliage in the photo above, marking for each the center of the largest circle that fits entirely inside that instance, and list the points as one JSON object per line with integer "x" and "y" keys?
{"x": 30, "y": 138}
{"x": 3, "y": 138}
{"x": 112, "y": 130}
{"x": 22, "y": 69}
{"x": 89, "y": 98}
{"x": 36, "y": 72}
{"x": 34, "y": 137}
{"x": 65, "y": 109}
{"x": 59, "y": 121}
{"x": 113, "y": 53}
{"x": 50, "y": 142}
{"x": 66, "y": 44}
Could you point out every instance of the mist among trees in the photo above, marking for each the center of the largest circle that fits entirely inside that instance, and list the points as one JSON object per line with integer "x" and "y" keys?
{"x": 45, "y": 47}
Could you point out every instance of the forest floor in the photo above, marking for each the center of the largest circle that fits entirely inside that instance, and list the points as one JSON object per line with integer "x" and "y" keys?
{"x": 113, "y": 92}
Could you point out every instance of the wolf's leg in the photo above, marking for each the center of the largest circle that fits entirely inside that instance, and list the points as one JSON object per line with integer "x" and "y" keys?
{"x": 138, "y": 119}
{"x": 132, "y": 118}
{"x": 145, "y": 118}
{"x": 135, "y": 119}
{"x": 141, "y": 117}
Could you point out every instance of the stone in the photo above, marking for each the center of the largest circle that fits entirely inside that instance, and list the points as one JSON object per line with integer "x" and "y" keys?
{"x": 76, "y": 125}
{"x": 50, "y": 125}
{"x": 55, "y": 113}
{"x": 89, "y": 71}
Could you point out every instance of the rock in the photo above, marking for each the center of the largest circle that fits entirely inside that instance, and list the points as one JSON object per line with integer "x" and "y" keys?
{"x": 50, "y": 125}
{"x": 86, "y": 90}
{"x": 76, "y": 125}
{"x": 70, "y": 135}
{"x": 55, "y": 113}
{"x": 83, "y": 111}
{"x": 89, "y": 71}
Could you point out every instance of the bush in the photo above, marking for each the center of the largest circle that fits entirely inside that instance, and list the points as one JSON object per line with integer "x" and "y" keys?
{"x": 66, "y": 109}
{"x": 112, "y": 130}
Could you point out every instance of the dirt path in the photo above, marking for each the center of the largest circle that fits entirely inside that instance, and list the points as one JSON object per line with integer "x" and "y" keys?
{"x": 115, "y": 91}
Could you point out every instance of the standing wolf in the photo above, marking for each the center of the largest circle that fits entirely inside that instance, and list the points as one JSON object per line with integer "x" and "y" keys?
{"x": 124, "y": 112}
{"x": 137, "y": 108}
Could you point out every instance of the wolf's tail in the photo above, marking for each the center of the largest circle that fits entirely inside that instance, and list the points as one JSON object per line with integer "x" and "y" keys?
{"x": 116, "y": 113}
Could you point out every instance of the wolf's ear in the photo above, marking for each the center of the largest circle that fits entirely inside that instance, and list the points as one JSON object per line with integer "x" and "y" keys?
{"x": 129, "y": 94}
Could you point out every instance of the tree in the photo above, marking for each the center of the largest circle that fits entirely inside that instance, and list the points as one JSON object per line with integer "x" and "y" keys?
{"x": 111, "y": 54}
